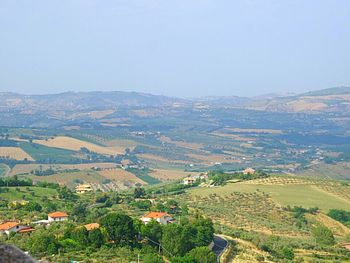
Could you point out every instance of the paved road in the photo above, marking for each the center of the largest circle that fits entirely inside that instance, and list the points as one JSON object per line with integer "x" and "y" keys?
{"x": 219, "y": 245}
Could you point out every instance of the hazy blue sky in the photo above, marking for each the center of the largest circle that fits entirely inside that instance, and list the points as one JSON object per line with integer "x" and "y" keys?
{"x": 174, "y": 47}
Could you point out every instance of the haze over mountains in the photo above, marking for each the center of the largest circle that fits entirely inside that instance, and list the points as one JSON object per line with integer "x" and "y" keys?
{"x": 328, "y": 100}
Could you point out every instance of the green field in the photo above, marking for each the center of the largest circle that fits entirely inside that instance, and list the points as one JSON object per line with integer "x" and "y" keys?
{"x": 292, "y": 195}
{"x": 17, "y": 193}
{"x": 3, "y": 169}
{"x": 44, "y": 154}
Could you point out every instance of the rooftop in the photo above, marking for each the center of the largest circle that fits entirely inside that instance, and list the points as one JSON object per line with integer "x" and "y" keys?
{"x": 8, "y": 225}
{"x": 58, "y": 214}
{"x": 155, "y": 215}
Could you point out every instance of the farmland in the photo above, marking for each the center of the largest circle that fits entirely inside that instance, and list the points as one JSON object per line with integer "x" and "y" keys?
{"x": 306, "y": 195}
{"x": 14, "y": 153}
{"x": 73, "y": 144}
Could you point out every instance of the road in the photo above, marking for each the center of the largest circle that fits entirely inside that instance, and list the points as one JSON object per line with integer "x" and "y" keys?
{"x": 220, "y": 245}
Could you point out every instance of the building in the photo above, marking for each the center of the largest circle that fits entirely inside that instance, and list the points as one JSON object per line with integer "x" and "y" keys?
{"x": 8, "y": 227}
{"x": 92, "y": 226}
{"x": 57, "y": 216}
{"x": 160, "y": 217}
{"x": 83, "y": 188}
{"x": 189, "y": 181}
{"x": 249, "y": 171}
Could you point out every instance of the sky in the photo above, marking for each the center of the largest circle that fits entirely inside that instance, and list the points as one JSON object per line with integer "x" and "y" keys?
{"x": 184, "y": 48}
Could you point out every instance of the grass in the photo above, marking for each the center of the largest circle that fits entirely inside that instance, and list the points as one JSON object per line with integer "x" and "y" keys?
{"x": 70, "y": 178}
{"x": 43, "y": 153}
{"x": 143, "y": 175}
{"x": 3, "y": 169}
{"x": 292, "y": 195}
{"x": 13, "y": 194}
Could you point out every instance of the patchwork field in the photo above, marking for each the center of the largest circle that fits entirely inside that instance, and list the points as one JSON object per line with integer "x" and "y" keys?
{"x": 73, "y": 144}
{"x": 14, "y": 153}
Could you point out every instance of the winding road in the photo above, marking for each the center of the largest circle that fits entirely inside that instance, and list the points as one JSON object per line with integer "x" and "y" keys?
{"x": 220, "y": 244}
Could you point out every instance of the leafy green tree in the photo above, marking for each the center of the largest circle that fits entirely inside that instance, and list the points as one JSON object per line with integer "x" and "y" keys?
{"x": 288, "y": 253}
{"x": 323, "y": 236}
{"x": 79, "y": 211}
{"x": 202, "y": 255}
{"x": 43, "y": 242}
{"x": 120, "y": 228}
{"x": 33, "y": 206}
{"x": 153, "y": 230}
{"x": 174, "y": 240}
{"x": 152, "y": 258}
{"x": 80, "y": 235}
{"x": 204, "y": 231}
{"x": 139, "y": 192}
{"x": 96, "y": 238}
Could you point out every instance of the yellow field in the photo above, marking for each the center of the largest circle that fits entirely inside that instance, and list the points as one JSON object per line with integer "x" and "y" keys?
{"x": 167, "y": 175}
{"x": 73, "y": 144}
{"x": 120, "y": 175}
{"x": 14, "y": 153}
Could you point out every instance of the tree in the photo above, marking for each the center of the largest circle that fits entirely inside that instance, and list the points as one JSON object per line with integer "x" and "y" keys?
{"x": 152, "y": 258}
{"x": 139, "y": 192}
{"x": 202, "y": 255}
{"x": 33, "y": 206}
{"x": 174, "y": 240}
{"x": 288, "y": 253}
{"x": 120, "y": 228}
{"x": 323, "y": 236}
{"x": 153, "y": 230}
{"x": 43, "y": 243}
{"x": 96, "y": 238}
{"x": 80, "y": 235}
{"x": 79, "y": 211}
{"x": 205, "y": 231}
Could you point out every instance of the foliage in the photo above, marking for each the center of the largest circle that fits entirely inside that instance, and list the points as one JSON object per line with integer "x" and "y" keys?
{"x": 323, "y": 236}
{"x": 120, "y": 228}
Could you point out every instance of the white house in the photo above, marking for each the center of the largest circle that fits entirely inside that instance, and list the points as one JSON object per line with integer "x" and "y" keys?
{"x": 160, "y": 217}
{"x": 8, "y": 227}
{"x": 57, "y": 216}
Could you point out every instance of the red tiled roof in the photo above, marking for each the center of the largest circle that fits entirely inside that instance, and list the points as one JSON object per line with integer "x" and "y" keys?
{"x": 58, "y": 214}
{"x": 26, "y": 230}
{"x": 8, "y": 225}
{"x": 155, "y": 215}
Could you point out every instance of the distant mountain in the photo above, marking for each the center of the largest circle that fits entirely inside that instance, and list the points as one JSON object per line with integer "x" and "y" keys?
{"x": 84, "y": 100}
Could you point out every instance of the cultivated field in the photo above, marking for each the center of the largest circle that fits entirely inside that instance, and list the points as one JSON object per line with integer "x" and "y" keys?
{"x": 14, "y": 153}
{"x": 120, "y": 175}
{"x": 3, "y": 169}
{"x": 27, "y": 168}
{"x": 288, "y": 194}
{"x": 73, "y": 144}
{"x": 168, "y": 175}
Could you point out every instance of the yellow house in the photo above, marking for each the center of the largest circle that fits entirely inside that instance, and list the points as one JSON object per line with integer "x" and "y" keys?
{"x": 83, "y": 188}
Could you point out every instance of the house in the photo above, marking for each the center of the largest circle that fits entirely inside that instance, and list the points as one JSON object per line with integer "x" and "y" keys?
{"x": 249, "y": 171}
{"x": 189, "y": 181}
{"x": 57, "y": 216}
{"x": 8, "y": 227}
{"x": 83, "y": 188}
{"x": 160, "y": 217}
{"x": 92, "y": 226}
